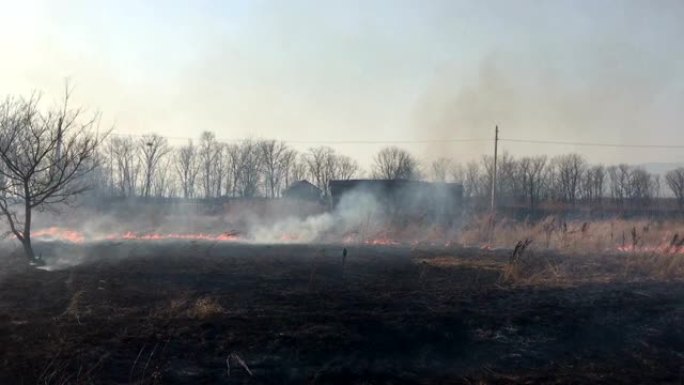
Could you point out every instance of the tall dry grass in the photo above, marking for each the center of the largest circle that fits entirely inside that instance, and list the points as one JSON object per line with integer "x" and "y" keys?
{"x": 553, "y": 233}
{"x": 557, "y": 251}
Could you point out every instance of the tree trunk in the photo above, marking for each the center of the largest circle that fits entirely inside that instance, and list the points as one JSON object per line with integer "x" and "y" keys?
{"x": 28, "y": 249}
{"x": 26, "y": 240}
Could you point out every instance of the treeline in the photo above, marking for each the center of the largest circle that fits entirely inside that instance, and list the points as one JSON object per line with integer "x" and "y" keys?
{"x": 567, "y": 179}
{"x": 149, "y": 166}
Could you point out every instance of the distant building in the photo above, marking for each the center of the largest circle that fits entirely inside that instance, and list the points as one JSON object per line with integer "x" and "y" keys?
{"x": 303, "y": 190}
{"x": 404, "y": 197}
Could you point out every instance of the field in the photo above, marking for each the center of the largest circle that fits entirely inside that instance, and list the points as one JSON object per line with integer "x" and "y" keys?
{"x": 207, "y": 313}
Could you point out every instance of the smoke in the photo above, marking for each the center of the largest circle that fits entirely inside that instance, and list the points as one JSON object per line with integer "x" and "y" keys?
{"x": 358, "y": 213}
{"x": 366, "y": 214}
{"x": 601, "y": 92}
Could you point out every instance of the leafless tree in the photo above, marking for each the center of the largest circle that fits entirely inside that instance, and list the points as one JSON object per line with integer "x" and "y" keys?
{"x": 248, "y": 169}
{"x": 457, "y": 174}
{"x": 152, "y": 149}
{"x": 220, "y": 168}
{"x": 619, "y": 182}
{"x": 509, "y": 182}
{"x": 471, "y": 183}
{"x": 532, "y": 172}
{"x": 297, "y": 169}
{"x": 234, "y": 162}
{"x": 593, "y": 183}
{"x": 324, "y": 165}
{"x": 395, "y": 163}
{"x": 643, "y": 186}
{"x": 440, "y": 169}
{"x": 44, "y": 157}
{"x": 568, "y": 170}
{"x": 126, "y": 166}
{"x": 163, "y": 182}
{"x": 318, "y": 166}
{"x": 675, "y": 181}
{"x": 275, "y": 157}
{"x": 208, "y": 153}
{"x": 187, "y": 167}
{"x": 344, "y": 167}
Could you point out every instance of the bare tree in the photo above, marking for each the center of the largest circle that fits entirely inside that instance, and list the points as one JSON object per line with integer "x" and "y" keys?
{"x": 675, "y": 181}
{"x": 619, "y": 182}
{"x": 126, "y": 165}
{"x": 395, "y": 163}
{"x": 249, "y": 167}
{"x": 457, "y": 174}
{"x": 318, "y": 165}
{"x": 297, "y": 169}
{"x": 152, "y": 149}
{"x": 290, "y": 159}
{"x": 163, "y": 182}
{"x": 440, "y": 169}
{"x": 532, "y": 172}
{"x": 643, "y": 186}
{"x": 344, "y": 167}
{"x": 220, "y": 168}
{"x": 44, "y": 158}
{"x": 568, "y": 172}
{"x": 509, "y": 184}
{"x": 207, "y": 157}
{"x": 275, "y": 157}
{"x": 187, "y": 168}
{"x": 471, "y": 183}
{"x": 324, "y": 165}
{"x": 593, "y": 184}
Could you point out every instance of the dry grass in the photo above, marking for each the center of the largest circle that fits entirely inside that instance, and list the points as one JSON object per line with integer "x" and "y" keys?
{"x": 76, "y": 307}
{"x": 186, "y": 307}
{"x": 554, "y": 233}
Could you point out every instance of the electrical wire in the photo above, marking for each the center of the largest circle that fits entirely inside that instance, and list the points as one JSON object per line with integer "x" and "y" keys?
{"x": 455, "y": 140}
{"x": 592, "y": 144}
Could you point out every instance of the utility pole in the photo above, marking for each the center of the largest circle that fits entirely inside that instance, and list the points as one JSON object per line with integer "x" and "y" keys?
{"x": 496, "y": 147}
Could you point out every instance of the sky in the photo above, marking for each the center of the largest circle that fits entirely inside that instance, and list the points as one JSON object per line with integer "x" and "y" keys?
{"x": 418, "y": 74}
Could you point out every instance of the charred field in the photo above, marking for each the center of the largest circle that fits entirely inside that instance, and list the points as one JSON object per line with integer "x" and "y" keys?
{"x": 182, "y": 312}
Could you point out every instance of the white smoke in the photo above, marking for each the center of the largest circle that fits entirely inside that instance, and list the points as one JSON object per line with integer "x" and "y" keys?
{"x": 358, "y": 213}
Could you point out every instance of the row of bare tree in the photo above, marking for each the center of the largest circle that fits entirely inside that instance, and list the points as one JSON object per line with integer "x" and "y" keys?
{"x": 565, "y": 178}
{"x": 149, "y": 166}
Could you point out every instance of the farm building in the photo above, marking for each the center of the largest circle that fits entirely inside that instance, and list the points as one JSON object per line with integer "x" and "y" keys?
{"x": 303, "y": 190}
{"x": 404, "y": 197}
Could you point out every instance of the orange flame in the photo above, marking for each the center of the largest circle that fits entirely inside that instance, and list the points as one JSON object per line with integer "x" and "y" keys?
{"x": 72, "y": 236}
{"x": 58, "y": 233}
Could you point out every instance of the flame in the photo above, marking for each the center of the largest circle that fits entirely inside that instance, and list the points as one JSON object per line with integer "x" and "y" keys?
{"x": 73, "y": 236}
{"x": 58, "y": 233}
{"x": 129, "y": 235}
{"x": 380, "y": 239}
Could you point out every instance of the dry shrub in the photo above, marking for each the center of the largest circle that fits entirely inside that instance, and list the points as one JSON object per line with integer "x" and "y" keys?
{"x": 526, "y": 266}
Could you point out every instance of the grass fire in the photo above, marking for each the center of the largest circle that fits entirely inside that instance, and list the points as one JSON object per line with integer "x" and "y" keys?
{"x": 269, "y": 192}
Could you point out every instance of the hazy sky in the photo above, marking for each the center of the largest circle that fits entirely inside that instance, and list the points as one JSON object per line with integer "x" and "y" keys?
{"x": 596, "y": 71}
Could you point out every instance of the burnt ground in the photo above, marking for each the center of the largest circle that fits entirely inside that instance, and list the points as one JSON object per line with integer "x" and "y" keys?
{"x": 177, "y": 313}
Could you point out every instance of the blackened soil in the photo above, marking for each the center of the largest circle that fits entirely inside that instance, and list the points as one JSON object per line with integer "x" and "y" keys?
{"x": 194, "y": 313}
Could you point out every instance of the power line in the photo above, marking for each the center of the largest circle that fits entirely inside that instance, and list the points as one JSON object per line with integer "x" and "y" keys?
{"x": 328, "y": 141}
{"x": 453, "y": 140}
{"x": 594, "y": 144}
